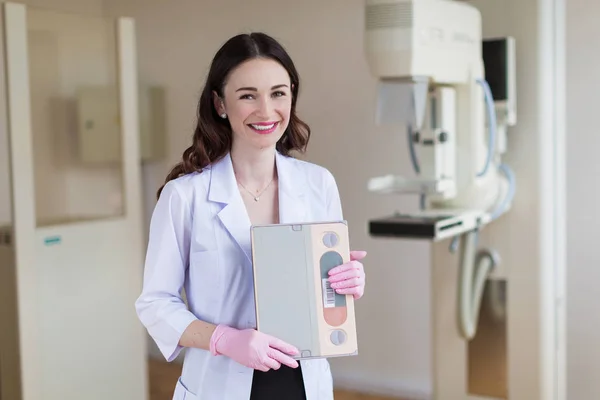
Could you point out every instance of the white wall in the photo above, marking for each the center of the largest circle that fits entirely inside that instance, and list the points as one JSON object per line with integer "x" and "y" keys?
{"x": 176, "y": 42}
{"x": 583, "y": 81}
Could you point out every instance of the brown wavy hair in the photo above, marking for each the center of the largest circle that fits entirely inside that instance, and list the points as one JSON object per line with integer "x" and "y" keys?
{"x": 213, "y": 137}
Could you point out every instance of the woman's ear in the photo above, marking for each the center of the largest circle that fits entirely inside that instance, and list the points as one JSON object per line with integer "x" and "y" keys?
{"x": 218, "y": 103}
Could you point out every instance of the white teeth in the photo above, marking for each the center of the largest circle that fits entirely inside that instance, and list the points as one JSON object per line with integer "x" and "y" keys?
{"x": 262, "y": 127}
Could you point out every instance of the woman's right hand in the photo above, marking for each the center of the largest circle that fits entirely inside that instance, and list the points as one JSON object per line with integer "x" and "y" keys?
{"x": 252, "y": 348}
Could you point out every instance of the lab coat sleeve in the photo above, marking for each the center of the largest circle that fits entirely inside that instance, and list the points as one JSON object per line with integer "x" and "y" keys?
{"x": 334, "y": 203}
{"x": 160, "y": 307}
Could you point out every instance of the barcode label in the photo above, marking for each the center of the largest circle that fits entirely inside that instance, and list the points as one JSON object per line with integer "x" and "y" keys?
{"x": 329, "y": 294}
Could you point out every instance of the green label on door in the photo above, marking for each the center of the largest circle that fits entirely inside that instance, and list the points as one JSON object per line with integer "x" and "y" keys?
{"x": 52, "y": 240}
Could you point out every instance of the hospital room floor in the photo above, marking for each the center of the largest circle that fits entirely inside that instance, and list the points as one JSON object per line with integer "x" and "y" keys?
{"x": 164, "y": 375}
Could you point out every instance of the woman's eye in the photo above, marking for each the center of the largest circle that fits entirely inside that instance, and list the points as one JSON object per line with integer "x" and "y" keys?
{"x": 251, "y": 97}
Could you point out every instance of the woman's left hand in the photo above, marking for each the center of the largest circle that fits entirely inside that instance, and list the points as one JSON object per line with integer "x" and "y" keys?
{"x": 349, "y": 278}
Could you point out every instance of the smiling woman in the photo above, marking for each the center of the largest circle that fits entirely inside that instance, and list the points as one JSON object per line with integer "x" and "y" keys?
{"x": 238, "y": 172}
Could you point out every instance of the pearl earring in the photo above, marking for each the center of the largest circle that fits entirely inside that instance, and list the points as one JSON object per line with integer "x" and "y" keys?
{"x": 223, "y": 115}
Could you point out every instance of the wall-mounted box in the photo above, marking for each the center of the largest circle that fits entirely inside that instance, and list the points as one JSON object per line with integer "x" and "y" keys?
{"x": 99, "y": 126}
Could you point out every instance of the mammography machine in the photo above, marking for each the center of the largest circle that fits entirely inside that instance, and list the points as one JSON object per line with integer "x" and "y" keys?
{"x": 456, "y": 95}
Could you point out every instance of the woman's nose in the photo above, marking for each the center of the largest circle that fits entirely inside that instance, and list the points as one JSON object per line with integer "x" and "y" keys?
{"x": 265, "y": 108}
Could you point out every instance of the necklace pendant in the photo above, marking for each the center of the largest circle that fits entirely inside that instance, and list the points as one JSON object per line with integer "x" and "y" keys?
{"x": 256, "y": 198}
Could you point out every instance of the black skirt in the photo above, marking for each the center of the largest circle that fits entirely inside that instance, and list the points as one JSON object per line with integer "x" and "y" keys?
{"x": 285, "y": 383}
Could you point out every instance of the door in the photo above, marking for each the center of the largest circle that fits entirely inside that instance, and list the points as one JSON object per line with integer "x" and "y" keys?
{"x": 76, "y": 206}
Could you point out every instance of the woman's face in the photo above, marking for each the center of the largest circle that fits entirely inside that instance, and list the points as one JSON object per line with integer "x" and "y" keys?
{"x": 257, "y": 101}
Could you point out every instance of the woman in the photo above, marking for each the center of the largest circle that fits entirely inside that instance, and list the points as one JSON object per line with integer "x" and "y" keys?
{"x": 238, "y": 172}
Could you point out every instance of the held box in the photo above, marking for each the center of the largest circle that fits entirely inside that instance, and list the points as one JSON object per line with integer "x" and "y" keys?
{"x": 293, "y": 299}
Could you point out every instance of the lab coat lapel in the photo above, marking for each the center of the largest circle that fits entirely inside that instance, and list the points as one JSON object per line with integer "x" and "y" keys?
{"x": 224, "y": 190}
{"x": 234, "y": 216}
{"x": 292, "y": 182}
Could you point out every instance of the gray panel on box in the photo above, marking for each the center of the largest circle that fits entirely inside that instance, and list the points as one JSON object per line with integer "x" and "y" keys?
{"x": 284, "y": 291}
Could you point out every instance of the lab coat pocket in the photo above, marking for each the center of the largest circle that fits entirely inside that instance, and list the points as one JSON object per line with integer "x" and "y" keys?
{"x": 205, "y": 277}
{"x": 182, "y": 393}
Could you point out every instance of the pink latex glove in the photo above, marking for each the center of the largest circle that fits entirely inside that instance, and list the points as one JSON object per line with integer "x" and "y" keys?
{"x": 252, "y": 348}
{"x": 349, "y": 278}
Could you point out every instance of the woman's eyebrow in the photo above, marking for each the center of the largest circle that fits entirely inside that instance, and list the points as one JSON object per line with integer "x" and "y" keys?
{"x": 255, "y": 89}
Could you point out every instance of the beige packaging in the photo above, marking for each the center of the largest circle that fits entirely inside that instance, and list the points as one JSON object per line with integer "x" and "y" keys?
{"x": 293, "y": 299}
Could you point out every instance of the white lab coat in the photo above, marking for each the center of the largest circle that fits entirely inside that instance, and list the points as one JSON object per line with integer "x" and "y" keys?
{"x": 200, "y": 240}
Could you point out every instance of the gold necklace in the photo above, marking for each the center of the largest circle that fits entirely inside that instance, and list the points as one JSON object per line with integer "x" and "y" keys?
{"x": 256, "y": 197}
